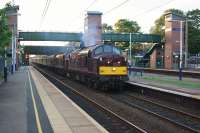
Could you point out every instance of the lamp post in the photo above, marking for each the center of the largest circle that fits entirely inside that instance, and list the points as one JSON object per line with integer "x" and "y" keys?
{"x": 130, "y": 56}
{"x": 13, "y": 42}
{"x": 181, "y": 47}
{"x": 181, "y": 51}
{"x": 162, "y": 57}
{"x": 13, "y": 49}
{"x": 186, "y": 42}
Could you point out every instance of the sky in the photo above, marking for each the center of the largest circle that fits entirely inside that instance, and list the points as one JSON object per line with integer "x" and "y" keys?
{"x": 68, "y": 15}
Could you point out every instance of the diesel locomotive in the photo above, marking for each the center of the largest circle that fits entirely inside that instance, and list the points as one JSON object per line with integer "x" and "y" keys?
{"x": 101, "y": 66}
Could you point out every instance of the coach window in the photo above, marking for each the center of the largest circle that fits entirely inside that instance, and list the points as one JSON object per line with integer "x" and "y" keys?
{"x": 107, "y": 49}
{"x": 99, "y": 50}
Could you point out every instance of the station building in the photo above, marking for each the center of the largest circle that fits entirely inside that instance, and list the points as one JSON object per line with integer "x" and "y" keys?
{"x": 169, "y": 54}
{"x": 12, "y": 14}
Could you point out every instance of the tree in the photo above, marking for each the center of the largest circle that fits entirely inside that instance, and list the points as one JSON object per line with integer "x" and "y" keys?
{"x": 125, "y": 25}
{"x": 194, "y": 15}
{"x": 5, "y": 34}
{"x": 107, "y": 28}
{"x": 194, "y": 31}
{"x": 193, "y": 28}
{"x": 160, "y": 22}
{"x": 158, "y": 27}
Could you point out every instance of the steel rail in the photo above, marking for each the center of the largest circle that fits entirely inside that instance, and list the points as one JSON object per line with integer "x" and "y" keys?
{"x": 129, "y": 124}
{"x": 159, "y": 116}
{"x": 167, "y": 107}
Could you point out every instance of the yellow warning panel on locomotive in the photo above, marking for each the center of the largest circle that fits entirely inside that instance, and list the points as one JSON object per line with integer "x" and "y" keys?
{"x": 106, "y": 70}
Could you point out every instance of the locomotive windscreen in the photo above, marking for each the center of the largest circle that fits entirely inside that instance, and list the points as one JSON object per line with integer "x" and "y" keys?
{"x": 107, "y": 49}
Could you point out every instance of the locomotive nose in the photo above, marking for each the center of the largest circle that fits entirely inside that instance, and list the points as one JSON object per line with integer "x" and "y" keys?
{"x": 118, "y": 60}
{"x": 112, "y": 60}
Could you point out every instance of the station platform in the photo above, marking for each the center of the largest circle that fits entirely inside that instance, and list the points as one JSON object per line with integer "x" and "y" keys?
{"x": 189, "y": 87}
{"x": 29, "y": 103}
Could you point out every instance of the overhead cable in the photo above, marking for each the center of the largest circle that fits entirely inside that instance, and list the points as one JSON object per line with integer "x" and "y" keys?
{"x": 154, "y": 8}
{"x": 114, "y": 8}
{"x": 91, "y": 5}
{"x": 45, "y": 11}
{"x": 79, "y": 16}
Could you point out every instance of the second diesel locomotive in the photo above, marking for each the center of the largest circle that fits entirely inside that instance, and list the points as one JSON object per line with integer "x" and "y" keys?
{"x": 101, "y": 66}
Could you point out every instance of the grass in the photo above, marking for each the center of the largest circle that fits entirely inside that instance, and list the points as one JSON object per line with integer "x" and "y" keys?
{"x": 178, "y": 83}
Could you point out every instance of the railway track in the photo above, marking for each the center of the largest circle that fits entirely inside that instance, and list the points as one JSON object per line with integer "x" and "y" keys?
{"x": 112, "y": 122}
{"x": 179, "y": 118}
{"x": 165, "y": 106}
{"x": 128, "y": 121}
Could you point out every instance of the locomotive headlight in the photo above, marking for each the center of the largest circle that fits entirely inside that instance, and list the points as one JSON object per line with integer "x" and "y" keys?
{"x": 108, "y": 62}
{"x": 100, "y": 59}
{"x": 113, "y": 69}
{"x": 118, "y": 62}
{"x": 125, "y": 59}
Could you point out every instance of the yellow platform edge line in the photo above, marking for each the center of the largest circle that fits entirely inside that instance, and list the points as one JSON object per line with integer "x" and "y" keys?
{"x": 35, "y": 107}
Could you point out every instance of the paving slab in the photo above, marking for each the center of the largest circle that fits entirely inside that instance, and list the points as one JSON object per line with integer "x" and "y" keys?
{"x": 64, "y": 115}
{"x": 17, "y": 114}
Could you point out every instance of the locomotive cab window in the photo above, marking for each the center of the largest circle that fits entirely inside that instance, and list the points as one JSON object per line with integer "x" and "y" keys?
{"x": 116, "y": 51}
{"x": 107, "y": 49}
{"x": 99, "y": 50}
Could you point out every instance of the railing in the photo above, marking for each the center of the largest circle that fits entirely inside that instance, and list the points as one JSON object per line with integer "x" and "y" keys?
{"x": 194, "y": 61}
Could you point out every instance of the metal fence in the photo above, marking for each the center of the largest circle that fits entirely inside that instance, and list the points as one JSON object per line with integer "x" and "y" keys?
{"x": 194, "y": 61}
